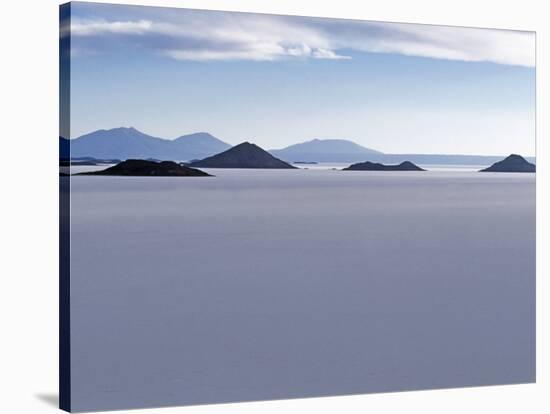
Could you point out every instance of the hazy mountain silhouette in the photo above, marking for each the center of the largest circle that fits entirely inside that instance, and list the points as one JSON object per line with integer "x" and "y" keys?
{"x": 126, "y": 143}
{"x": 245, "y": 155}
{"x": 374, "y": 166}
{"x": 512, "y": 163}
{"x": 324, "y": 150}
{"x": 143, "y": 168}
{"x": 345, "y": 151}
{"x": 198, "y": 145}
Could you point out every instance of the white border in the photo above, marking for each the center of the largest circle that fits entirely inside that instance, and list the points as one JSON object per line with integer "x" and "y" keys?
{"x": 29, "y": 207}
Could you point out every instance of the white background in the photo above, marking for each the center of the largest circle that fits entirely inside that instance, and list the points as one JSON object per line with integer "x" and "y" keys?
{"x": 28, "y": 227}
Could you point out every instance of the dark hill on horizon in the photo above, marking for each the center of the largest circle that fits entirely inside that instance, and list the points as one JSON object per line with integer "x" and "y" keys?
{"x": 144, "y": 168}
{"x": 512, "y": 163}
{"x": 129, "y": 143}
{"x": 245, "y": 155}
{"x": 374, "y": 166}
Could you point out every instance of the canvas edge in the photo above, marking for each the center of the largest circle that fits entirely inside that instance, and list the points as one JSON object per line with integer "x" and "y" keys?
{"x": 64, "y": 210}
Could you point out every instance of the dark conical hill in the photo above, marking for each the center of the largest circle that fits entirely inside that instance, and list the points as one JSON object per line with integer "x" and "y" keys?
{"x": 245, "y": 155}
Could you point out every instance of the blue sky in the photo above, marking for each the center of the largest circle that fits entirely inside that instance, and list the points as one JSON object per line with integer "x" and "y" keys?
{"x": 278, "y": 80}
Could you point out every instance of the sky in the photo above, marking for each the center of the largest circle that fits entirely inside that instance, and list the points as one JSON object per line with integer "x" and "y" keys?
{"x": 279, "y": 80}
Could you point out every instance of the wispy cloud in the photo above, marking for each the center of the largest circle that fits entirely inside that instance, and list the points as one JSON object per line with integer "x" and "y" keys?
{"x": 257, "y": 52}
{"x": 94, "y": 27}
{"x": 215, "y": 36}
{"x": 506, "y": 47}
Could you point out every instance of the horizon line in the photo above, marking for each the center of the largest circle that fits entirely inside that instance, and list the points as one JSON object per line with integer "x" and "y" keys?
{"x": 295, "y": 143}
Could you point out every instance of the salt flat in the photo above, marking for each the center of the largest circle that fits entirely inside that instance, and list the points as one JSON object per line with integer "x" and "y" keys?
{"x": 263, "y": 284}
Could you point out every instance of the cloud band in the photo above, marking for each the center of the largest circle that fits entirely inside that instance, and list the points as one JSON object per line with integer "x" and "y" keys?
{"x": 218, "y": 36}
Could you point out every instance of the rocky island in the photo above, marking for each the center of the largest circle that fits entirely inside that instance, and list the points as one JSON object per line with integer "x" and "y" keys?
{"x": 144, "y": 168}
{"x": 512, "y": 163}
{"x": 374, "y": 166}
{"x": 245, "y": 155}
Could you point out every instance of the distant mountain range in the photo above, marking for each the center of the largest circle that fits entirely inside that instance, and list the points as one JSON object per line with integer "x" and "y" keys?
{"x": 325, "y": 150}
{"x": 344, "y": 151}
{"x": 128, "y": 143}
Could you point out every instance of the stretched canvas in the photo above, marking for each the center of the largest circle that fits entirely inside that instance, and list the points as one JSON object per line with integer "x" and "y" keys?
{"x": 260, "y": 207}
